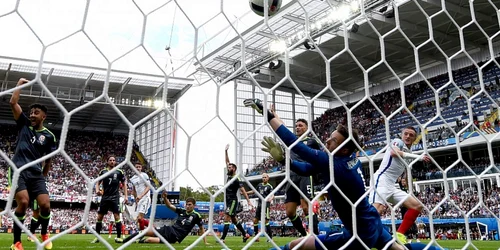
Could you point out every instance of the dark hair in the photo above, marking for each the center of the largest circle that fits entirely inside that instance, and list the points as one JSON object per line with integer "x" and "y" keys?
{"x": 303, "y": 121}
{"x": 411, "y": 128}
{"x": 234, "y": 165}
{"x": 191, "y": 199}
{"x": 110, "y": 157}
{"x": 39, "y": 106}
{"x": 138, "y": 163}
{"x": 344, "y": 131}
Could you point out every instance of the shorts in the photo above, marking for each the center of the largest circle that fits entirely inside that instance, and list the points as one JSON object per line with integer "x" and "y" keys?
{"x": 232, "y": 207}
{"x": 387, "y": 194}
{"x": 31, "y": 180}
{"x": 169, "y": 234}
{"x": 144, "y": 204}
{"x": 109, "y": 205}
{"x": 258, "y": 212}
{"x": 302, "y": 182}
{"x": 337, "y": 239}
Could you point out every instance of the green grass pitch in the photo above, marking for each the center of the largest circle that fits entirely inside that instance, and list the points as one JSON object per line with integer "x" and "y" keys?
{"x": 78, "y": 242}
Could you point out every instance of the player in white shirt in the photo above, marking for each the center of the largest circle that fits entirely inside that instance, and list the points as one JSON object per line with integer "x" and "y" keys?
{"x": 393, "y": 165}
{"x": 141, "y": 195}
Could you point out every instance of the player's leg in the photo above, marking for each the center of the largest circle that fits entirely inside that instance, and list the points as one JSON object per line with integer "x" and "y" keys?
{"x": 38, "y": 189}
{"x": 307, "y": 187}
{"x": 230, "y": 211}
{"x": 256, "y": 221}
{"x": 378, "y": 199}
{"x": 331, "y": 241}
{"x": 239, "y": 226}
{"x": 34, "y": 219}
{"x": 110, "y": 228}
{"x": 292, "y": 200}
{"x": 142, "y": 209}
{"x": 118, "y": 223}
{"x": 268, "y": 225}
{"x": 101, "y": 211}
{"x": 22, "y": 200}
{"x": 166, "y": 232}
{"x": 414, "y": 208}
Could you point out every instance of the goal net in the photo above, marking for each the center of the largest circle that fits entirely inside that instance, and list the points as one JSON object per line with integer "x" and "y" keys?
{"x": 172, "y": 78}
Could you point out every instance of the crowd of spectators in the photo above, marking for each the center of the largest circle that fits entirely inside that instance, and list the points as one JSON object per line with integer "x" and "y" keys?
{"x": 420, "y": 101}
{"x": 87, "y": 150}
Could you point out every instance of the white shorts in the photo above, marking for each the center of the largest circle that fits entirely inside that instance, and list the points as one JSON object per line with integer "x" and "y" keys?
{"x": 387, "y": 194}
{"x": 144, "y": 204}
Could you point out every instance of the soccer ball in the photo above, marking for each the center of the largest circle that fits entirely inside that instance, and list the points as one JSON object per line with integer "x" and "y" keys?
{"x": 257, "y": 6}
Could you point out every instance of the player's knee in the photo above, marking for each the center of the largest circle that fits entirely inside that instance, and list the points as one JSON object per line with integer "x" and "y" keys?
{"x": 23, "y": 202}
{"x": 44, "y": 207}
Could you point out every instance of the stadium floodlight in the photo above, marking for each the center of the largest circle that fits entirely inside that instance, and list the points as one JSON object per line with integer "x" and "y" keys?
{"x": 159, "y": 104}
{"x": 343, "y": 12}
{"x": 354, "y": 6}
{"x": 277, "y": 46}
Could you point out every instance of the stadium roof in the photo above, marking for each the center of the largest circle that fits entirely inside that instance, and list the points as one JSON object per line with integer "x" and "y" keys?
{"x": 307, "y": 67}
{"x": 135, "y": 94}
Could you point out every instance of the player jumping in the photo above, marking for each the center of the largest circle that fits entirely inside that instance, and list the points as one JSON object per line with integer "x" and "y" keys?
{"x": 347, "y": 178}
{"x": 186, "y": 220}
{"x": 305, "y": 183}
{"x": 264, "y": 188}
{"x": 391, "y": 168}
{"x": 33, "y": 142}
{"x": 141, "y": 196}
{"x": 232, "y": 203}
{"x": 110, "y": 197}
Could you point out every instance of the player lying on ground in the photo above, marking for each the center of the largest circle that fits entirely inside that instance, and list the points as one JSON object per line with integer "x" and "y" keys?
{"x": 33, "y": 142}
{"x": 347, "y": 178}
{"x": 392, "y": 167}
{"x": 186, "y": 220}
{"x": 232, "y": 204}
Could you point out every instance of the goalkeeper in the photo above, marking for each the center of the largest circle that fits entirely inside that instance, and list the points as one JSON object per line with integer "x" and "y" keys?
{"x": 370, "y": 229}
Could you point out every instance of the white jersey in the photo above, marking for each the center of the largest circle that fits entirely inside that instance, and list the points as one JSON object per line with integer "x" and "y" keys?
{"x": 139, "y": 184}
{"x": 391, "y": 167}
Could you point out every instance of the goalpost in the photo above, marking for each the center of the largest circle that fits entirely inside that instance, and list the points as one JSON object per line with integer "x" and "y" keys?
{"x": 345, "y": 52}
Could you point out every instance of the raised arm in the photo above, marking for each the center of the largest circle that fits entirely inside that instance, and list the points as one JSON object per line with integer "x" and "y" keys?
{"x": 227, "y": 155}
{"x": 14, "y": 99}
{"x": 167, "y": 201}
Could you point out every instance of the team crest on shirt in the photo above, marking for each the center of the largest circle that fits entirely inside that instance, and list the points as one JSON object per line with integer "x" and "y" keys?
{"x": 114, "y": 177}
{"x": 41, "y": 139}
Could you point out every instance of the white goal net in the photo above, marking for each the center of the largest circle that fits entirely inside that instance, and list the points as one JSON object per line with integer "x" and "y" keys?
{"x": 163, "y": 83}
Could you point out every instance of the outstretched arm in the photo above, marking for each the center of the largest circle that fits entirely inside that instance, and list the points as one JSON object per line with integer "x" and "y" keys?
{"x": 14, "y": 105}
{"x": 227, "y": 156}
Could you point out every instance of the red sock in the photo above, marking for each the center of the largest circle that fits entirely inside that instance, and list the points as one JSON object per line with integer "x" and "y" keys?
{"x": 410, "y": 217}
{"x": 141, "y": 224}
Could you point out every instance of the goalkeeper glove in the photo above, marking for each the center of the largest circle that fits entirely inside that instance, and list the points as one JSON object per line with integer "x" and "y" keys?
{"x": 273, "y": 148}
